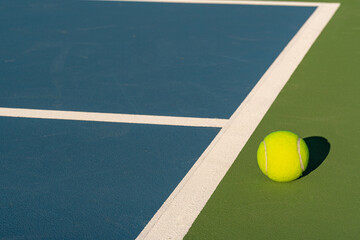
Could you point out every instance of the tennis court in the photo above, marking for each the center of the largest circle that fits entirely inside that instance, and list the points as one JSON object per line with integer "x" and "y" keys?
{"x": 125, "y": 119}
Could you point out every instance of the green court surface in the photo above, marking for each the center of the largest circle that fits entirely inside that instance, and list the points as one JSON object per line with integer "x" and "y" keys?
{"x": 320, "y": 103}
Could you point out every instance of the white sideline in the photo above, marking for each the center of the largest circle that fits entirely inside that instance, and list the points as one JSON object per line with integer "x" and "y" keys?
{"x": 176, "y": 215}
{"x": 112, "y": 117}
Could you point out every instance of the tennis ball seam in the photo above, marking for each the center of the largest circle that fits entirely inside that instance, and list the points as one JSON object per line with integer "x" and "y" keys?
{"x": 299, "y": 153}
{"x": 266, "y": 161}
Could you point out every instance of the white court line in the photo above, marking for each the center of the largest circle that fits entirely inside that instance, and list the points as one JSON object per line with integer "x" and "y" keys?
{"x": 176, "y": 215}
{"x": 112, "y": 117}
{"x": 263, "y": 3}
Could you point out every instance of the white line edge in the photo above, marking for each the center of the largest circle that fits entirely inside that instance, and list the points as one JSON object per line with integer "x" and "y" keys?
{"x": 265, "y": 3}
{"x": 177, "y": 214}
{"x": 112, "y": 117}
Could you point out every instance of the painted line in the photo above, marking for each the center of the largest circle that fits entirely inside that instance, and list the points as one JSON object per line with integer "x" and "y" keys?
{"x": 176, "y": 215}
{"x": 113, "y": 117}
{"x": 232, "y": 2}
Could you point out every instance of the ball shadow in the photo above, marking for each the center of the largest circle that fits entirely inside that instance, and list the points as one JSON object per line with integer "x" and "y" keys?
{"x": 319, "y": 149}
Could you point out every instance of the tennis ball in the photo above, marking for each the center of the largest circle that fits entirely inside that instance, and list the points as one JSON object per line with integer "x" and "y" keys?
{"x": 283, "y": 156}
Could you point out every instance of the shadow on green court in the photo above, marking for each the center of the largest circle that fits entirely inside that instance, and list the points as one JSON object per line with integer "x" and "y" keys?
{"x": 319, "y": 148}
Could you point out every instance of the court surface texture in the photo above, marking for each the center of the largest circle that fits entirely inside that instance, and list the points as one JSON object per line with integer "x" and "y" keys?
{"x": 141, "y": 119}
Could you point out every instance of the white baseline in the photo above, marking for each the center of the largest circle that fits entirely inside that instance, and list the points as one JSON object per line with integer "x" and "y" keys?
{"x": 263, "y": 3}
{"x": 112, "y": 117}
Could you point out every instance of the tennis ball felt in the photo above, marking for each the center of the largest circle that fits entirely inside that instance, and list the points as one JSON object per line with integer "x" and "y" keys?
{"x": 283, "y": 156}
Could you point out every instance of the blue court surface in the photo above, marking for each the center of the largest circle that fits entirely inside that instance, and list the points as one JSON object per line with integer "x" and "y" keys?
{"x": 92, "y": 180}
{"x": 75, "y": 180}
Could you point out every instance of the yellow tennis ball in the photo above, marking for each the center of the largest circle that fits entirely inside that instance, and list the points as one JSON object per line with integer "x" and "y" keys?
{"x": 283, "y": 156}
